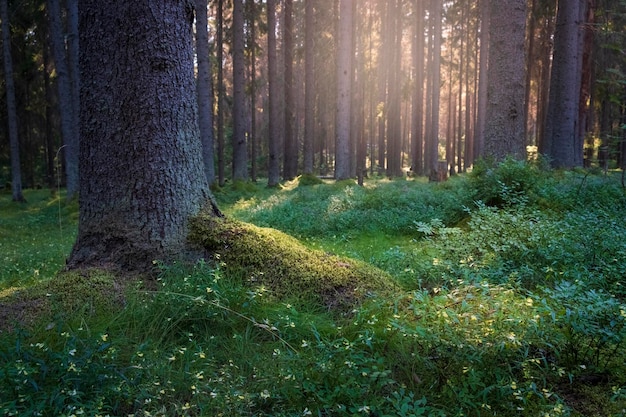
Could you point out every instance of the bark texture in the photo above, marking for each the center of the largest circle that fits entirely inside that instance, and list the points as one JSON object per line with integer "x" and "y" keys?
{"x": 506, "y": 82}
{"x": 14, "y": 144}
{"x": 562, "y": 134}
{"x": 140, "y": 155}
{"x": 344, "y": 91}
{"x": 205, "y": 90}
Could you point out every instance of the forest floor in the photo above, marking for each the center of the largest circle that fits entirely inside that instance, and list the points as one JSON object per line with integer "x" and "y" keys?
{"x": 495, "y": 293}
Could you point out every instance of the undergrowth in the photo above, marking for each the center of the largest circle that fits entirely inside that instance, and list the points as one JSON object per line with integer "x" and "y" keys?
{"x": 511, "y": 304}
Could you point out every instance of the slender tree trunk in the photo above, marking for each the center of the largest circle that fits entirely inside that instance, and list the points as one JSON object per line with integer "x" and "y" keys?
{"x": 394, "y": 99}
{"x": 69, "y": 127}
{"x": 205, "y": 90}
{"x": 221, "y": 162}
{"x": 433, "y": 156}
{"x": 254, "y": 143}
{"x": 417, "y": 108}
{"x": 504, "y": 128}
{"x": 274, "y": 124}
{"x": 240, "y": 147}
{"x": 14, "y": 143}
{"x": 290, "y": 164}
{"x": 562, "y": 124}
{"x": 481, "y": 112}
{"x": 344, "y": 91}
{"x": 140, "y": 158}
{"x": 309, "y": 87}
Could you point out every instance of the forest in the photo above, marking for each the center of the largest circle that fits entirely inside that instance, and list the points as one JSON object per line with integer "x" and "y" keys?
{"x": 329, "y": 207}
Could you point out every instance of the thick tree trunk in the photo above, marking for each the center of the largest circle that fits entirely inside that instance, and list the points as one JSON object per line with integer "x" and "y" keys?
{"x": 205, "y": 90}
{"x": 14, "y": 144}
{"x": 505, "y": 121}
{"x": 140, "y": 156}
{"x": 344, "y": 91}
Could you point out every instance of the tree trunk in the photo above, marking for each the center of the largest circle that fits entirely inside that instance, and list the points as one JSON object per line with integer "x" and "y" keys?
{"x": 309, "y": 87}
{"x": 220, "y": 94}
{"x": 435, "y": 67}
{"x": 481, "y": 111}
{"x": 344, "y": 91}
{"x": 14, "y": 144}
{"x": 505, "y": 121}
{"x": 204, "y": 85}
{"x": 140, "y": 156}
{"x": 274, "y": 124}
{"x": 562, "y": 124}
{"x": 240, "y": 148}
{"x": 69, "y": 127}
{"x": 417, "y": 108}
{"x": 290, "y": 164}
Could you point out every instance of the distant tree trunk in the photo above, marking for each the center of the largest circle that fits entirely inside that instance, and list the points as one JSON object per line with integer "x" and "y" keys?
{"x": 254, "y": 143}
{"x": 435, "y": 68}
{"x": 562, "y": 124}
{"x": 221, "y": 163}
{"x": 505, "y": 121}
{"x": 274, "y": 124}
{"x": 309, "y": 87}
{"x": 205, "y": 90}
{"x": 14, "y": 143}
{"x": 49, "y": 131}
{"x": 481, "y": 111}
{"x": 140, "y": 158}
{"x": 73, "y": 50}
{"x": 290, "y": 164}
{"x": 394, "y": 117}
{"x": 69, "y": 127}
{"x": 417, "y": 108}
{"x": 344, "y": 91}
{"x": 240, "y": 148}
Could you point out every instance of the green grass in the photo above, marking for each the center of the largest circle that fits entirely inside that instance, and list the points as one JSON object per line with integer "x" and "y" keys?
{"x": 35, "y": 237}
{"x": 509, "y": 303}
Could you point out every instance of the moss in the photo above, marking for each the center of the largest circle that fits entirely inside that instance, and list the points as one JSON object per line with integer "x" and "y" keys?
{"x": 284, "y": 266}
{"x": 309, "y": 179}
{"x": 69, "y": 295}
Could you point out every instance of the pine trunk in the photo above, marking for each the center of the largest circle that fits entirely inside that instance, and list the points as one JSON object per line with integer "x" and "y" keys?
{"x": 344, "y": 91}
{"x": 506, "y": 86}
{"x": 140, "y": 156}
{"x": 14, "y": 144}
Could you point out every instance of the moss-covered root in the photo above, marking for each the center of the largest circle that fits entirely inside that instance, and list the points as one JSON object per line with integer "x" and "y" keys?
{"x": 284, "y": 266}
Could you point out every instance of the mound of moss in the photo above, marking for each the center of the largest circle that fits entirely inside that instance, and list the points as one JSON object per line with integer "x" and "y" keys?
{"x": 68, "y": 295}
{"x": 284, "y": 266}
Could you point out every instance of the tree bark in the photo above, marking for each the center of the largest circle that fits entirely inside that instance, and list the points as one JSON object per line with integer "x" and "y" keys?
{"x": 505, "y": 121}
{"x": 220, "y": 94}
{"x": 417, "y": 107}
{"x": 481, "y": 111}
{"x": 204, "y": 86}
{"x": 562, "y": 134}
{"x": 240, "y": 148}
{"x": 309, "y": 87}
{"x": 140, "y": 157}
{"x": 290, "y": 164}
{"x": 14, "y": 142}
{"x": 274, "y": 125}
{"x": 67, "y": 107}
{"x": 344, "y": 91}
